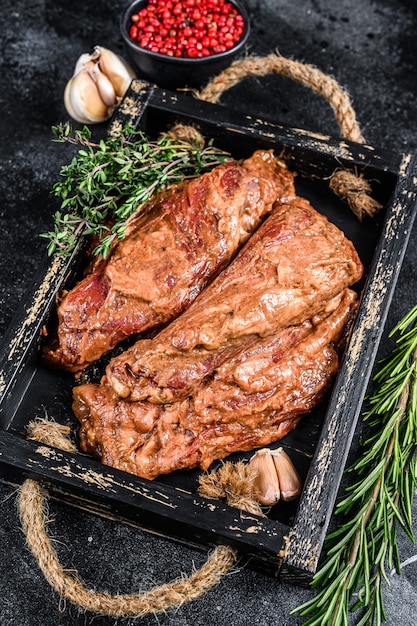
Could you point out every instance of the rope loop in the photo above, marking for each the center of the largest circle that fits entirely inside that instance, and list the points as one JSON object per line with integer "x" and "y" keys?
{"x": 33, "y": 511}
{"x": 34, "y": 519}
{"x": 354, "y": 189}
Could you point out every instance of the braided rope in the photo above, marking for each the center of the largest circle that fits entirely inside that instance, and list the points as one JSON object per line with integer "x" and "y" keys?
{"x": 353, "y": 188}
{"x": 233, "y": 486}
{"x": 34, "y": 520}
{"x": 305, "y": 74}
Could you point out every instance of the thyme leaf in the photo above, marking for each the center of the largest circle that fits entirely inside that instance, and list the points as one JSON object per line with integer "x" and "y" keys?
{"x": 380, "y": 500}
{"x": 110, "y": 180}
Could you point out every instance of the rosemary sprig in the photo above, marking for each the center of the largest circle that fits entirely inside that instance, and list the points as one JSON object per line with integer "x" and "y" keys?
{"x": 379, "y": 502}
{"x": 110, "y": 180}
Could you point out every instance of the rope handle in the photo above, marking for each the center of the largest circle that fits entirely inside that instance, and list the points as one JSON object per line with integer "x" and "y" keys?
{"x": 231, "y": 480}
{"x": 355, "y": 189}
{"x": 34, "y": 520}
{"x": 306, "y": 75}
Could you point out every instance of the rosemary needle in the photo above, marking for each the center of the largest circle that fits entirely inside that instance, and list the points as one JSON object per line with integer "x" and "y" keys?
{"x": 379, "y": 502}
{"x": 110, "y": 180}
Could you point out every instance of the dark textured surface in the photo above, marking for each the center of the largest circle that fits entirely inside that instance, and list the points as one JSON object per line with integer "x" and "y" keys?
{"x": 370, "y": 48}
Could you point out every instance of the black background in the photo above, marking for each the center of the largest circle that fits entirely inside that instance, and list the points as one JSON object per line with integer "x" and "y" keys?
{"x": 370, "y": 47}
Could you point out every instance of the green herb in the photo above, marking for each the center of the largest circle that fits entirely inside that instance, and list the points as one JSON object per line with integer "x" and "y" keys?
{"x": 379, "y": 502}
{"x": 109, "y": 181}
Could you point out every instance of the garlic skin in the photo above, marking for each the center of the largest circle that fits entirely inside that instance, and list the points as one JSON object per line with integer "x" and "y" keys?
{"x": 265, "y": 486}
{"x": 104, "y": 86}
{"x": 97, "y": 86}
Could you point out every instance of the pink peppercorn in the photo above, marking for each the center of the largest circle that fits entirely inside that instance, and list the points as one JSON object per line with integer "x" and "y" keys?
{"x": 187, "y": 28}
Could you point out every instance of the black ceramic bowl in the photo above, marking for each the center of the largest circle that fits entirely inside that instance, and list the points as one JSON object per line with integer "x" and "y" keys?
{"x": 172, "y": 72}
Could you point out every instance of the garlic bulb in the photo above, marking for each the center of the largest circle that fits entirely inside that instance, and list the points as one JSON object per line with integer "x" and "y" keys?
{"x": 97, "y": 86}
{"x": 115, "y": 68}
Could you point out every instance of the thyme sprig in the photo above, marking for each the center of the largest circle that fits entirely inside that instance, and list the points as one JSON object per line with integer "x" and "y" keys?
{"x": 352, "y": 575}
{"x": 110, "y": 180}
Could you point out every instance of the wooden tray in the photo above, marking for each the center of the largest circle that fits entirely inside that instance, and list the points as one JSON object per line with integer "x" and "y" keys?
{"x": 288, "y": 543}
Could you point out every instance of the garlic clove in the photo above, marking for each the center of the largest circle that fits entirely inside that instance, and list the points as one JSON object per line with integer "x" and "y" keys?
{"x": 117, "y": 70}
{"x": 68, "y": 105}
{"x": 266, "y": 485}
{"x": 83, "y": 101}
{"x": 104, "y": 86}
{"x": 289, "y": 480}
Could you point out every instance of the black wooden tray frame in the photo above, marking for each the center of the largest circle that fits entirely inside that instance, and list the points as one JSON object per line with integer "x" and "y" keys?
{"x": 290, "y": 551}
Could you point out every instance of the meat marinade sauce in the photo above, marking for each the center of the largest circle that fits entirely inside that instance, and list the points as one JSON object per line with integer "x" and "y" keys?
{"x": 289, "y": 292}
{"x": 289, "y": 271}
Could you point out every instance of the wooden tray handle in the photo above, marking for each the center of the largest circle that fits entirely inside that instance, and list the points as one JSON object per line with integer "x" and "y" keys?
{"x": 32, "y": 503}
{"x": 355, "y": 189}
{"x": 33, "y": 512}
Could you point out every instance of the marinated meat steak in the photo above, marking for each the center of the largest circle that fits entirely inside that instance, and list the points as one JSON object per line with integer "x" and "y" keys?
{"x": 291, "y": 269}
{"x": 253, "y": 399}
{"x": 252, "y": 354}
{"x": 170, "y": 253}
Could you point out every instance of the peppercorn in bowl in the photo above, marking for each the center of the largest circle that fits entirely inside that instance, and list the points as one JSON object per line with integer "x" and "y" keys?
{"x": 180, "y": 43}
